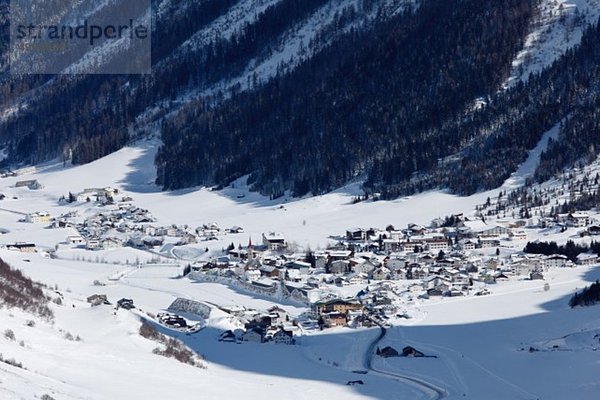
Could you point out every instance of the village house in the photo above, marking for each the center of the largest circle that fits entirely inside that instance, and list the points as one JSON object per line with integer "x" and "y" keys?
{"x": 75, "y": 240}
{"x": 111, "y": 243}
{"x": 493, "y": 231}
{"x": 333, "y": 319}
{"x": 22, "y": 247}
{"x": 92, "y": 244}
{"x": 336, "y": 305}
{"x": 556, "y": 261}
{"x": 283, "y": 336}
{"x": 339, "y": 267}
{"x": 97, "y": 299}
{"x": 517, "y": 234}
{"x": 31, "y": 184}
{"x": 381, "y": 274}
{"x": 436, "y": 245}
{"x": 488, "y": 242}
{"x": 255, "y": 335}
{"x": 38, "y": 218}
{"x": 274, "y": 241}
{"x": 587, "y": 259}
{"x": 578, "y": 220}
{"x": 356, "y": 234}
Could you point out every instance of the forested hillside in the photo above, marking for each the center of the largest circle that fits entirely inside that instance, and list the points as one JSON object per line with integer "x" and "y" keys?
{"x": 306, "y": 95}
{"x": 372, "y": 97}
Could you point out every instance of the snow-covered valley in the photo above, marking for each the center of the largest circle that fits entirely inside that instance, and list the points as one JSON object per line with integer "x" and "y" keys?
{"x": 480, "y": 344}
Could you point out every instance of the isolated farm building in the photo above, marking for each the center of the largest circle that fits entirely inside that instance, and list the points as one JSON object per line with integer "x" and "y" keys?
{"x": 97, "y": 299}
{"x": 127, "y": 304}
{"x": 410, "y": 351}
{"x": 387, "y": 352}
{"x": 236, "y": 229}
{"x": 23, "y": 247}
{"x": 32, "y": 184}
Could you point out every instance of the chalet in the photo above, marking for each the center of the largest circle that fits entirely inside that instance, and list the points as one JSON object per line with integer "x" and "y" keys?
{"x": 38, "y": 217}
{"x": 468, "y": 245}
{"x": 253, "y": 275}
{"x": 335, "y": 255}
{"x": 92, "y": 244}
{"x": 228, "y": 336}
{"x": 255, "y": 335}
{"x": 396, "y": 245}
{"x": 336, "y": 305}
{"x": 536, "y": 275}
{"x": 111, "y": 243}
{"x": 381, "y": 274}
{"x": 578, "y": 220}
{"x": 387, "y": 352}
{"x": 517, "y": 234}
{"x": 75, "y": 239}
{"x": 126, "y": 304}
{"x": 236, "y": 229}
{"x": 269, "y": 271}
{"x": 278, "y": 315}
{"x": 587, "y": 259}
{"x": 488, "y": 242}
{"x": 410, "y": 351}
{"x": 149, "y": 241}
{"x": 556, "y": 261}
{"x": 520, "y": 268}
{"x": 356, "y": 234}
{"x": 395, "y": 263}
{"x": 334, "y": 319}
{"x": 97, "y": 299}
{"x": 414, "y": 229}
{"x": 356, "y": 279}
{"x": 283, "y": 336}
{"x": 173, "y": 320}
{"x": 23, "y": 247}
{"x": 32, "y": 184}
{"x": 494, "y": 231}
{"x": 437, "y": 245}
{"x": 593, "y": 230}
{"x": 274, "y": 241}
{"x": 339, "y": 267}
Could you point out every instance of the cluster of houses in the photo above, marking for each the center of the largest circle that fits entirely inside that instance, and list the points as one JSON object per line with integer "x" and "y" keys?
{"x": 274, "y": 326}
{"x": 391, "y": 266}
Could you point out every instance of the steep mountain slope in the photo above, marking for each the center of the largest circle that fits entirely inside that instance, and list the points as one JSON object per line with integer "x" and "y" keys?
{"x": 307, "y": 95}
{"x": 368, "y": 96}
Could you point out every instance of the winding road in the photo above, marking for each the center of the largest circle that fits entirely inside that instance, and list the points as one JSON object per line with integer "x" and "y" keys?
{"x": 435, "y": 392}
